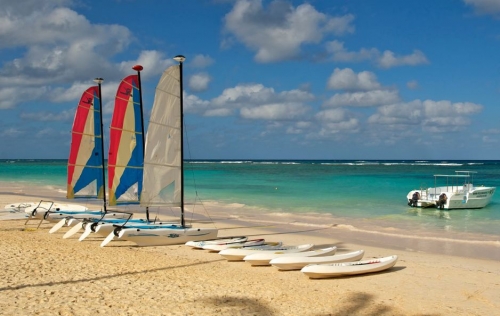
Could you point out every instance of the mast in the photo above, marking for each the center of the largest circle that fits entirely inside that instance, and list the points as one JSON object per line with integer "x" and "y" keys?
{"x": 139, "y": 68}
{"x": 181, "y": 59}
{"x": 99, "y": 81}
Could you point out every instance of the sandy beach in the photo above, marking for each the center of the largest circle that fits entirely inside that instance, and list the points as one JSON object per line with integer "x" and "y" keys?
{"x": 43, "y": 274}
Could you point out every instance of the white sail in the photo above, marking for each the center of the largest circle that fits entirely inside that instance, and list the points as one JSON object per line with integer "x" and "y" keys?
{"x": 162, "y": 157}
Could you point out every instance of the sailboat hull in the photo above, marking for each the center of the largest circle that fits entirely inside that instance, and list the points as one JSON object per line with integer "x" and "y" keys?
{"x": 166, "y": 236}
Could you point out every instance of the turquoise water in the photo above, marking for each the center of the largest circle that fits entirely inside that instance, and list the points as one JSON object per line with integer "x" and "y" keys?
{"x": 348, "y": 189}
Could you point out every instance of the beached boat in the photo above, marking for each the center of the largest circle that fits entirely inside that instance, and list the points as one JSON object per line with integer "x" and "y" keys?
{"x": 125, "y": 156}
{"x": 237, "y": 254}
{"x": 263, "y": 258}
{"x": 297, "y": 263}
{"x": 243, "y": 244}
{"x": 330, "y": 270}
{"x": 218, "y": 241}
{"x": 85, "y": 169}
{"x": 459, "y": 192}
{"x": 163, "y": 179}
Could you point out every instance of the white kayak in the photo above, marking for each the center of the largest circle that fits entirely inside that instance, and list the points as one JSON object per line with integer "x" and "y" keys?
{"x": 263, "y": 258}
{"x": 248, "y": 243}
{"x": 237, "y": 254}
{"x": 322, "y": 271}
{"x": 297, "y": 263}
{"x": 218, "y": 241}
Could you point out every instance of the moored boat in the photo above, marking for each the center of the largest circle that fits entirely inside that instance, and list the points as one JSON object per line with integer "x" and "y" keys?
{"x": 459, "y": 192}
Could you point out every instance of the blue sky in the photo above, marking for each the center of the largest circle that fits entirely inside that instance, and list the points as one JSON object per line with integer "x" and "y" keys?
{"x": 344, "y": 79}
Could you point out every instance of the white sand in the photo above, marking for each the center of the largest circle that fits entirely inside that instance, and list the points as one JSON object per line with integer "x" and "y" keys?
{"x": 43, "y": 274}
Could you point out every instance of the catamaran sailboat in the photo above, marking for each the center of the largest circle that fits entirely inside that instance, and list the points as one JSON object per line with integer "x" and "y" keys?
{"x": 85, "y": 165}
{"x": 163, "y": 180}
{"x": 459, "y": 192}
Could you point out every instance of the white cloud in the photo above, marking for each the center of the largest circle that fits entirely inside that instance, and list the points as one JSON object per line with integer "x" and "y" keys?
{"x": 44, "y": 116}
{"x": 331, "y": 115}
{"x": 153, "y": 62}
{"x": 339, "y": 53}
{"x": 347, "y": 79}
{"x": 279, "y": 31}
{"x": 412, "y": 85}
{"x": 201, "y": 61}
{"x": 485, "y": 6}
{"x": 387, "y": 59}
{"x": 10, "y": 96}
{"x": 363, "y": 99}
{"x": 61, "y": 46}
{"x": 254, "y": 102}
{"x": 11, "y": 132}
{"x": 199, "y": 82}
{"x": 281, "y": 111}
{"x": 432, "y": 116}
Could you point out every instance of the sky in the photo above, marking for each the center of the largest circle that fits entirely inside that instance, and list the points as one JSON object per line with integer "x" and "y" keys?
{"x": 282, "y": 79}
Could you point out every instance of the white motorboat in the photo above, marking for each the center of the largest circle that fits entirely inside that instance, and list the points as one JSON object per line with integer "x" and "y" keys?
{"x": 459, "y": 192}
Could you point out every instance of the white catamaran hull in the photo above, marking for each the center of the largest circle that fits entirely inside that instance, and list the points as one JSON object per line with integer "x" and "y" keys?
{"x": 163, "y": 236}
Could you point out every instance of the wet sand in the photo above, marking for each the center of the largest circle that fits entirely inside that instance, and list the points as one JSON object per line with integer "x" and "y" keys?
{"x": 43, "y": 274}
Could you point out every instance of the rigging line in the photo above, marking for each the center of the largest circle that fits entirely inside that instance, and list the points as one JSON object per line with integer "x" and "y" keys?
{"x": 194, "y": 179}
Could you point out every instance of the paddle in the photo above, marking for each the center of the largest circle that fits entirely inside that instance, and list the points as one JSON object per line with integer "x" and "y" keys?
{"x": 73, "y": 230}
{"x": 57, "y": 226}
{"x": 88, "y": 230}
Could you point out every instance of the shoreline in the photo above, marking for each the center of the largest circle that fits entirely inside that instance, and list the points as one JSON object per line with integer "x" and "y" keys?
{"x": 369, "y": 232}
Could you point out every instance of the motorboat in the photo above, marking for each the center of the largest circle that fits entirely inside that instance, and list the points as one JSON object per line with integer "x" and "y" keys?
{"x": 458, "y": 192}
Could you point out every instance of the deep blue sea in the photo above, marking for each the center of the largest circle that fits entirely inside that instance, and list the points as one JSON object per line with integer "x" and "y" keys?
{"x": 344, "y": 188}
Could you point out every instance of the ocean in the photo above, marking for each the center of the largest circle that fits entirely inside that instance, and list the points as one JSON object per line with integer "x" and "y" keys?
{"x": 372, "y": 190}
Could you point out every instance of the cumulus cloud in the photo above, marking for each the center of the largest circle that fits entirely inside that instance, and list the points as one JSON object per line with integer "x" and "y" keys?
{"x": 58, "y": 46}
{"x": 281, "y": 111}
{"x": 199, "y": 82}
{"x": 387, "y": 59}
{"x": 484, "y": 6}
{"x": 347, "y": 79}
{"x": 201, "y": 61}
{"x": 253, "y": 101}
{"x": 412, "y": 85}
{"x": 432, "y": 116}
{"x": 279, "y": 31}
{"x": 45, "y": 116}
{"x": 363, "y": 99}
